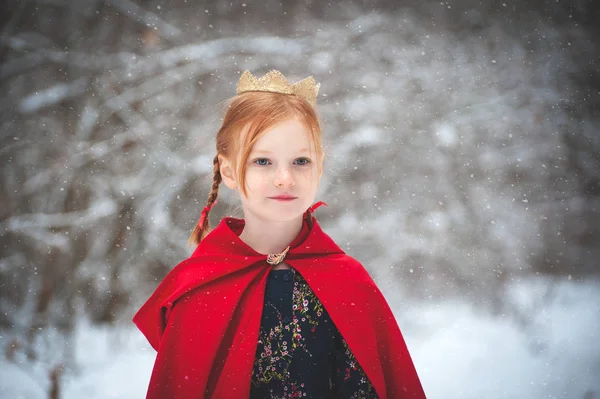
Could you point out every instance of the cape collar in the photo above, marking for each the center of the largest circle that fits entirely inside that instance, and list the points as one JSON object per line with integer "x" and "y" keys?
{"x": 224, "y": 240}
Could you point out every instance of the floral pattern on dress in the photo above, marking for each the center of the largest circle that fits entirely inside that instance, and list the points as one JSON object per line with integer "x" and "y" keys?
{"x": 347, "y": 368}
{"x": 300, "y": 353}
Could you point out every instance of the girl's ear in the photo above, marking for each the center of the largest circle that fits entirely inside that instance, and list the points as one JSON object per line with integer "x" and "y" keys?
{"x": 227, "y": 173}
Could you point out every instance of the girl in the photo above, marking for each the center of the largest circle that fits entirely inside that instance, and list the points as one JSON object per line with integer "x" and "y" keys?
{"x": 269, "y": 306}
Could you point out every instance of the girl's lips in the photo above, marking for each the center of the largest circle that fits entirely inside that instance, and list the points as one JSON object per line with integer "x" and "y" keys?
{"x": 283, "y": 198}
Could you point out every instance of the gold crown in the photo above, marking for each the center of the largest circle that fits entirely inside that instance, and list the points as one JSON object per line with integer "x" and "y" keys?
{"x": 275, "y": 82}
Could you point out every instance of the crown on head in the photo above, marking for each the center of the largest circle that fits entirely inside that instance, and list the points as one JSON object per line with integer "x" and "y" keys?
{"x": 275, "y": 82}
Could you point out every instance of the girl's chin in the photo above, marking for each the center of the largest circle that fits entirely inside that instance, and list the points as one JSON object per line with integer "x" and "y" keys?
{"x": 279, "y": 212}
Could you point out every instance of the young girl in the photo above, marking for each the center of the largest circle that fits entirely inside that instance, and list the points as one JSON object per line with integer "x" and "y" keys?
{"x": 269, "y": 306}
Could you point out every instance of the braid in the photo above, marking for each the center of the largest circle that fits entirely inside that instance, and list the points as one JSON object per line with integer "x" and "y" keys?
{"x": 214, "y": 192}
{"x": 201, "y": 231}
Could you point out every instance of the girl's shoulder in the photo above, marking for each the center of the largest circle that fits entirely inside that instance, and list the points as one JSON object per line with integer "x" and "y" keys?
{"x": 344, "y": 267}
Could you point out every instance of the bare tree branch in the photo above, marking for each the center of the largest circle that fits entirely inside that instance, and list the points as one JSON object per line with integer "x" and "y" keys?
{"x": 137, "y": 13}
{"x": 98, "y": 209}
{"x": 53, "y": 95}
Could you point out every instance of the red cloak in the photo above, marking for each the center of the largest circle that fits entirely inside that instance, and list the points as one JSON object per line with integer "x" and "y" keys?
{"x": 204, "y": 317}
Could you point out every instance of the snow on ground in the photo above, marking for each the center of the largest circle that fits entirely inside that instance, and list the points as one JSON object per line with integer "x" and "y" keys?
{"x": 465, "y": 354}
{"x": 459, "y": 351}
{"x": 19, "y": 383}
{"x": 112, "y": 365}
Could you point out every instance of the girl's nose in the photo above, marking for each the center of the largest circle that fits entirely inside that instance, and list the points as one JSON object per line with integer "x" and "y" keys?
{"x": 284, "y": 178}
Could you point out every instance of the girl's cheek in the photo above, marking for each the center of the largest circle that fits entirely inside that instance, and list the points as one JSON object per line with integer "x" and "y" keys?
{"x": 309, "y": 173}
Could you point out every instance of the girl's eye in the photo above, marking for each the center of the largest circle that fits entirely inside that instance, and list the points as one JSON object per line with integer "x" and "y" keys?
{"x": 303, "y": 161}
{"x": 261, "y": 161}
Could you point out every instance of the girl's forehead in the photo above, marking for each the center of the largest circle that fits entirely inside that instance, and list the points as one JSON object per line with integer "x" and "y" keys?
{"x": 290, "y": 131}
{"x": 285, "y": 136}
{"x": 276, "y": 146}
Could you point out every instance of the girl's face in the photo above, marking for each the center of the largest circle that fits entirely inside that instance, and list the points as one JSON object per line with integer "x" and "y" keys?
{"x": 280, "y": 165}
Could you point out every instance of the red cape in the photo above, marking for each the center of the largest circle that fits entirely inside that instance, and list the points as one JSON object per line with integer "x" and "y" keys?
{"x": 204, "y": 317}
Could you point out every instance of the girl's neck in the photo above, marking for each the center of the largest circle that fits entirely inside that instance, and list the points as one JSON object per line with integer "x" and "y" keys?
{"x": 266, "y": 237}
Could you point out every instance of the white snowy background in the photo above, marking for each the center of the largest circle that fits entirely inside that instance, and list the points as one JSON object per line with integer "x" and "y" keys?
{"x": 463, "y": 171}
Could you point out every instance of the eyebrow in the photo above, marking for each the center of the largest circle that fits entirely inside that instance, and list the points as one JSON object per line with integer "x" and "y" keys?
{"x": 269, "y": 152}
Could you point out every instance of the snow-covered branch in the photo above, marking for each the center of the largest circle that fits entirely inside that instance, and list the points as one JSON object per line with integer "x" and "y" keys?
{"x": 53, "y": 95}
{"x": 150, "y": 19}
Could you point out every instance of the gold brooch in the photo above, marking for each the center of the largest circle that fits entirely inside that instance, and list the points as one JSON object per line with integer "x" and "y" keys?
{"x": 275, "y": 259}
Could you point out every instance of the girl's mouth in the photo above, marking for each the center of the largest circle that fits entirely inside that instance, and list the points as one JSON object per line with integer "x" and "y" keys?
{"x": 283, "y": 198}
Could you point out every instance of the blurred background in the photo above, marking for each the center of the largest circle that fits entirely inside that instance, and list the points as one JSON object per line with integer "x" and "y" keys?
{"x": 462, "y": 169}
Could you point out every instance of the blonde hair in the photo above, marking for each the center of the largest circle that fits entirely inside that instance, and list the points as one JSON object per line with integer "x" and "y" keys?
{"x": 254, "y": 112}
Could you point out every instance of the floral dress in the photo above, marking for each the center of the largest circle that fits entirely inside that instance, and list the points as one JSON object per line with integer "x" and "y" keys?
{"x": 300, "y": 352}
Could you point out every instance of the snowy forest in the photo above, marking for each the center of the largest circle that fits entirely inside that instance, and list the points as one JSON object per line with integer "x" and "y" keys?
{"x": 462, "y": 170}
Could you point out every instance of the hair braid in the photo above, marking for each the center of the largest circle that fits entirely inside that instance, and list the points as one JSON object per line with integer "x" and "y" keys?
{"x": 202, "y": 231}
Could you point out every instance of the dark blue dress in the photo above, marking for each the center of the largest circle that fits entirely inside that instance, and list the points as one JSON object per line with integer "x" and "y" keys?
{"x": 300, "y": 352}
